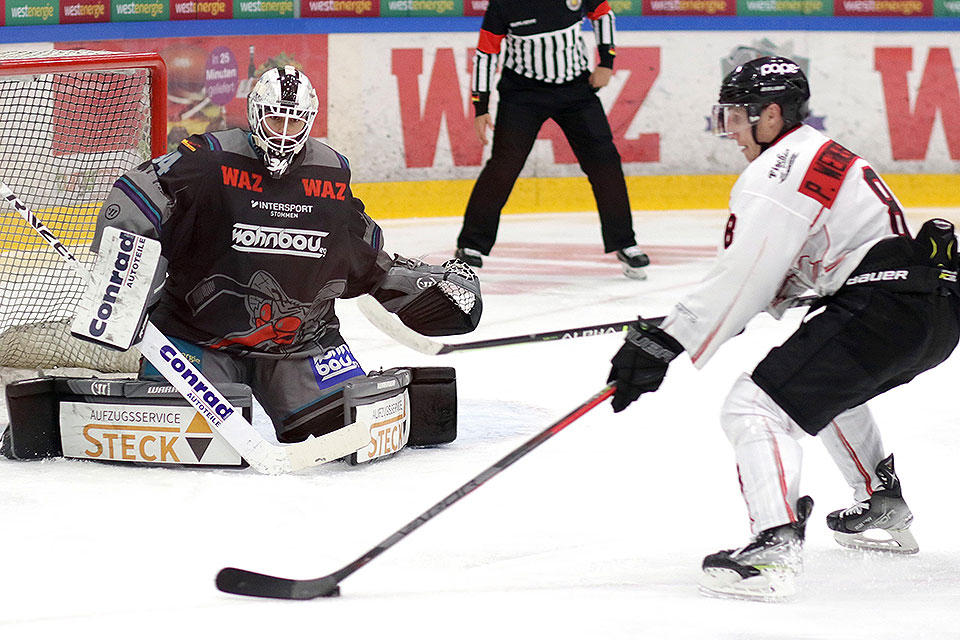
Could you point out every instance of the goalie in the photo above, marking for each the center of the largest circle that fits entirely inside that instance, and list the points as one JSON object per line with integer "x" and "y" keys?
{"x": 259, "y": 235}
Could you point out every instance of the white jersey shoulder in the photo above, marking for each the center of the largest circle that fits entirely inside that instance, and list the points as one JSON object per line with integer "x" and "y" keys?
{"x": 802, "y": 216}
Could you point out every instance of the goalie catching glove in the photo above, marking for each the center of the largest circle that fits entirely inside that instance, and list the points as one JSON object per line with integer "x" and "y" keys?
{"x": 432, "y": 300}
{"x": 641, "y": 363}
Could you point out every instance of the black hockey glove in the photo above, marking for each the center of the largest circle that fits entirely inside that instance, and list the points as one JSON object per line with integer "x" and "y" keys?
{"x": 641, "y": 363}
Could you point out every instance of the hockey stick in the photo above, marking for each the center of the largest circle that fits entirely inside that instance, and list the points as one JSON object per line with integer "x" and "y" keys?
{"x": 222, "y": 416}
{"x": 250, "y": 583}
{"x": 391, "y": 326}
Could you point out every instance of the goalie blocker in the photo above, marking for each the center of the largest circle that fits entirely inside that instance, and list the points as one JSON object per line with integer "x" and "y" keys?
{"x": 124, "y": 284}
{"x": 147, "y": 422}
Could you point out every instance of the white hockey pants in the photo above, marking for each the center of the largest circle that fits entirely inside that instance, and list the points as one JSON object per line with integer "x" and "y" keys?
{"x": 768, "y": 456}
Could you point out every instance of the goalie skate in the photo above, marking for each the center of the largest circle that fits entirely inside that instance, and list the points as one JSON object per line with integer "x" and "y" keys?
{"x": 880, "y": 523}
{"x": 765, "y": 569}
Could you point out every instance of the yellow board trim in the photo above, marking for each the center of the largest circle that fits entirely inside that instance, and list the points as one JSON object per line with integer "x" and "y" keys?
{"x": 433, "y": 198}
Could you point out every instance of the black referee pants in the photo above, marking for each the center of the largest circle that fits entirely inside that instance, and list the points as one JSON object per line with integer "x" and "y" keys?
{"x": 523, "y": 108}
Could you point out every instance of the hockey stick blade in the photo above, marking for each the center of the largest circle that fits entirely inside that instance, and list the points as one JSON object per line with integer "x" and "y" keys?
{"x": 390, "y": 325}
{"x": 219, "y": 412}
{"x": 249, "y": 583}
{"x": 258, "y": 585}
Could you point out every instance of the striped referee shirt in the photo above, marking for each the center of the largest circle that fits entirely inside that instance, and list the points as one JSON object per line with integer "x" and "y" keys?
{"x": 540, "y": 40}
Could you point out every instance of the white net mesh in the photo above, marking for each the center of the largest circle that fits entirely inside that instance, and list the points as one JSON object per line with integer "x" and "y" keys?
{"x": 65, "y": 137}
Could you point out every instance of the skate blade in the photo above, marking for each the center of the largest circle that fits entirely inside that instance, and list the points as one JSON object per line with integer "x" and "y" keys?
{"x": 899, "y": 541}
{"x": 635, "y": 273}
{"x": 772, "y": 585}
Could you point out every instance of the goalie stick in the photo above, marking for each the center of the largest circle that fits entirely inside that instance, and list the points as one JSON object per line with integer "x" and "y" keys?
{"x": 222, "y": 416}
{"x": 249, "y": 583}
{"x": 391, "y": 326}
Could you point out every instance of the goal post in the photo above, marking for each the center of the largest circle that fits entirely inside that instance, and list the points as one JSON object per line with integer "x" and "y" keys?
{"x": 71, "y": 123}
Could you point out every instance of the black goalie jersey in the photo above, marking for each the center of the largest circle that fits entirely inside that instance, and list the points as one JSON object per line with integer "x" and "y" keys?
{"x": 255, "y": 263}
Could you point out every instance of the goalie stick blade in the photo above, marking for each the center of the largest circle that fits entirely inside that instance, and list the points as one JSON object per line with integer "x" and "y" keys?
{"x": 249, "y": 583}
{"x": 392, "y": 327}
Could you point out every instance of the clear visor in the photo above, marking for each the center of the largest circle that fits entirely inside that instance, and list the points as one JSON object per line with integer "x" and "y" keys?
{"x": 731, "y": 119}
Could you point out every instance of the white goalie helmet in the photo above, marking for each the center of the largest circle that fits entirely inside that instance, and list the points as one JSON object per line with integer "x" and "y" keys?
{"x": 281, "y": 109}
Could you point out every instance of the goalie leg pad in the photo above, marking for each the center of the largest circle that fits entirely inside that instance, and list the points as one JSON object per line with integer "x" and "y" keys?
{"x": 415, "y": 406}
{"x": 380, "y": 401}
{"x": 116, "y": 421}
{"x": 433, "y": 406}
{"x": 34, "y": 430}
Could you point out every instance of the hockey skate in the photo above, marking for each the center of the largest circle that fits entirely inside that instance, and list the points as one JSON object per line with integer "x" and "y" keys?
{"x": 633, "y": 260}
{"x": 765, "y": 569}
{"x": 471, "y": 256}
{"x": 880, "y": 523}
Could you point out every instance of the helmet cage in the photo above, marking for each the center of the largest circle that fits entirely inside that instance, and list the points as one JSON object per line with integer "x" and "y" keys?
{"x": 288, "y": 95}
{"x": 281, "y": 143}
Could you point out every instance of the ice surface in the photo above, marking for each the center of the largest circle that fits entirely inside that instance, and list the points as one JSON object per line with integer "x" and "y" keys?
{"x": 599, "y": 533}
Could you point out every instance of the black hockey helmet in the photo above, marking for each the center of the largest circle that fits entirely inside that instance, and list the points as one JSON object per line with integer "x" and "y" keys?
{"x": 767, "y": 80}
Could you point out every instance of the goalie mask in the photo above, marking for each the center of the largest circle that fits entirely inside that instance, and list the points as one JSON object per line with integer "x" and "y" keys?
{"x": 281, "y": 109}
{"x": 749, "y": 88}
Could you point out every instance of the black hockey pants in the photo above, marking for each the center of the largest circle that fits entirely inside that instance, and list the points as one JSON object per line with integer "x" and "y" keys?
{"x": 865, "y": 341}
{"x": 523, "y": 108}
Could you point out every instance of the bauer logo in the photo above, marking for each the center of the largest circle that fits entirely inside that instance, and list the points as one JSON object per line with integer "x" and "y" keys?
{"x": 335, "y": 366}
{"x": 141, "y": 433}
{"x": 289, "y": 242}
{"x": 879, "y": 276}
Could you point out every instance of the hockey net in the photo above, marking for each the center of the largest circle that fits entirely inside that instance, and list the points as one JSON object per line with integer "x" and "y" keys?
{"x": 71, "y": 122}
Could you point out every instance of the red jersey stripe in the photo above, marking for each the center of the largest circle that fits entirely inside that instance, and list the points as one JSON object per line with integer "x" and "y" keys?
{"x": 602, "y": 10}
{"x": 489, "y": 42}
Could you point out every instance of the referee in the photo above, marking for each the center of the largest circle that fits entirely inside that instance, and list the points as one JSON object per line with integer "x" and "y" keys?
{"x": 546, "y": 76}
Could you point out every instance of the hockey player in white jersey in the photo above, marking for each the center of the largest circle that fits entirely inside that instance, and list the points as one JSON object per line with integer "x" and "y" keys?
{"x": 806, "y": 214}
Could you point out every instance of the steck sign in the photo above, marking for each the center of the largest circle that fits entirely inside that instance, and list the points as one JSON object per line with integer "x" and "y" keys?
{"x": 153, "y": 434}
